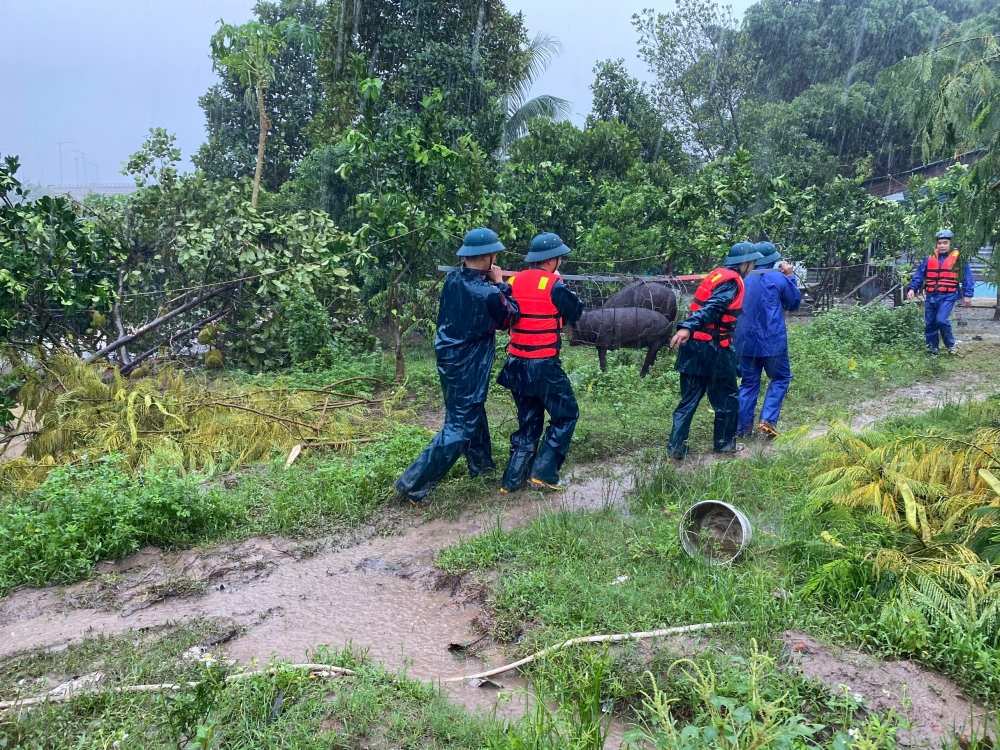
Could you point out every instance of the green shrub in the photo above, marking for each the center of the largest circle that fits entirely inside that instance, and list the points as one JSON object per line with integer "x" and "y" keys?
{"x": 307, "y": 328}
{"x": 97, "y": 511}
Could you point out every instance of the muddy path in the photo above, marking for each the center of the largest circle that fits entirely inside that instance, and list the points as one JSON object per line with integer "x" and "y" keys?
{"x": 383, "y": 594}
{"x": 377, "y": 588}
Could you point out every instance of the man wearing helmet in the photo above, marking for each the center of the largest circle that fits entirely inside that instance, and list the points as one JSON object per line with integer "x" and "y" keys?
{"x": 533, "y": 372}
{"x": 761, "y": 340}
{"x": 475, "y": 302}
{"x": 706, "y": 360}
{"x": 939, "y": 275}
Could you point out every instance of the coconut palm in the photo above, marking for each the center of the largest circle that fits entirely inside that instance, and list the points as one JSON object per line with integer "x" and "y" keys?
{"x": 541, "y": 51}
{"x": 246, "y": 52}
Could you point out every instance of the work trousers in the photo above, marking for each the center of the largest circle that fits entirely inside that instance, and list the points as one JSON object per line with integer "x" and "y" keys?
{"x": 724, "y": 397}
{"x": 779, "y": 371}
{"x": 937, "y": 309}
{"x": 527, "y": 459}
{"x": 465, "y": 431}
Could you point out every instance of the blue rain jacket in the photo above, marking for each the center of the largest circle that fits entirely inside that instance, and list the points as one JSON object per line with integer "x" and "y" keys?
{"x": 760, "y": 330}
{"x": 471, "y": 311}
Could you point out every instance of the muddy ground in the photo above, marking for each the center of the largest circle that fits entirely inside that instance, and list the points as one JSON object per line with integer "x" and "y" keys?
{"x": 383, "y": 594}
{"x": 933, "y": 704}
{"x": 377, "y": 587}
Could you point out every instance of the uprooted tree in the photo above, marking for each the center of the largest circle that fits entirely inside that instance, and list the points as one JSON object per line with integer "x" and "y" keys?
{"x": 179, "y": 260}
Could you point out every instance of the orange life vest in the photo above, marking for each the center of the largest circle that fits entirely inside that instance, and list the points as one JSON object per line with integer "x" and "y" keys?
{"x": 941, "y": 275}
{"x": 536, "y": 334}
{"x": 723, "y": 330}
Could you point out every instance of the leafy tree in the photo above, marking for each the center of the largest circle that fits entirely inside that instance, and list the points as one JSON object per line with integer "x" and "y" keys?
{"x": 619, "y": 96}
{"x": 57, "y": 277}
{"x": 476, "y": 54}
{"x": 825, "y": 74}
{"x": 960, "y": 81}
{"x": 714, "y": 210}
{"x": 703, "y": 72}
{"x": 198, "y": 253}
{"x": 554, "y": 175}
{"x": 290, "y": 102}
{"x": 838, "y": 222}
{"x": 247, "y": 53}
{"x": 419, "y": 194}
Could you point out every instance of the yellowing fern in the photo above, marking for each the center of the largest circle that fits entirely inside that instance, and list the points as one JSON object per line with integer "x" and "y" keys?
{"x": 82, "y": 409}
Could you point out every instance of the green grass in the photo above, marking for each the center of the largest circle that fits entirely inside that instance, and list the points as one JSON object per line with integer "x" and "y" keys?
{"x": 96, "y": 510}
{"x": 554, "y": 578}
{"x": 374, "y": 709}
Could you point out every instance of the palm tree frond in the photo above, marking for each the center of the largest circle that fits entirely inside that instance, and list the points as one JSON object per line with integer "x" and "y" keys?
{"x": 545, "y": 106}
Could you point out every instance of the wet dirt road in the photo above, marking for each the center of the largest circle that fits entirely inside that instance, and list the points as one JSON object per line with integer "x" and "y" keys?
{"x": 383, "y": 594}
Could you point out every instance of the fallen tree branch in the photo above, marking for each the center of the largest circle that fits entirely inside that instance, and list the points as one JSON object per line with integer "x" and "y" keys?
{"x": 136, "y": 361}
{"x": 349, "y": 380}
{"x": 317, "y": 669}
{"x": 307, "y": 443}
{"x": 275, "y": 417}
{"x": 154, "y": 324}
{"x": 595, "y": 639}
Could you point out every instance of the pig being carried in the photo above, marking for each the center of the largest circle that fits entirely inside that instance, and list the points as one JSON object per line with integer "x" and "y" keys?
{"x": 640, "y": 316}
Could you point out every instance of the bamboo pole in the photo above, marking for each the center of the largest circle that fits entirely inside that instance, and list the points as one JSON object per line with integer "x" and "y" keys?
{"x": 595, "y": 639}
{"x": 319, "y": 669}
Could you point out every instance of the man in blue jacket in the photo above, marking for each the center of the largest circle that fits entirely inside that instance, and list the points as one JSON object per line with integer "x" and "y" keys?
{"x": 939, "y": 274}
{"x": 762, "y": 342}
{"x": 475, "y": 302}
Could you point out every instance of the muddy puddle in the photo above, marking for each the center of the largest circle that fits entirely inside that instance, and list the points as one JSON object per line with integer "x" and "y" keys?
{"x": 382, "y": 594}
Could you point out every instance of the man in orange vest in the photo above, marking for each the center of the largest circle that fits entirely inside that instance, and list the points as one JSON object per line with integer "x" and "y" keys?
{"x": 707, "y": 360}
{"x": 939, "y": 275}
{"x": 533, "y": 372}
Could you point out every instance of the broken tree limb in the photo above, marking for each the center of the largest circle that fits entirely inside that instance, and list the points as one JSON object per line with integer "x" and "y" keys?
{"x": 324, "y": 670}
{"x": 595, "y": 639}
{"x": 349, "y": 380}
{"x": 136, "y": 361}
{"x": 275, "y": 417}
{"x": 152, "y": 325}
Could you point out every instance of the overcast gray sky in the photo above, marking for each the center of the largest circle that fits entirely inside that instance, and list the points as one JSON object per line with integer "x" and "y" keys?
{"x": 100, "y": 73}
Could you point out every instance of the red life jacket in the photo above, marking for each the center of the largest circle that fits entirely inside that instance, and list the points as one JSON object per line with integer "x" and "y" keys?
{"x": 941, "y": 275}
{"x": 723, "y": 330}
{"x": 536, "y": 334}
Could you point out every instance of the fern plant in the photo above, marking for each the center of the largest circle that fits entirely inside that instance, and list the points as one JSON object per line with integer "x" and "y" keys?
{"x": 83, "y": 410}
{"x": 939, "y": 506}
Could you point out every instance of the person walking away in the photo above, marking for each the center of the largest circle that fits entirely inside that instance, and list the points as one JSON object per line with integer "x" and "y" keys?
{"x": 475, "y": 302}
{"x": 761, "y": 340}
{"x": 533, "y": 372}
{"x": 706, "y": 360}
{"x": 939, "y": 275}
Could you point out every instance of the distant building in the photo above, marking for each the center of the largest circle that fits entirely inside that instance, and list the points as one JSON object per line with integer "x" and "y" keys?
{"x": 893, "y": 186}
{"x": 79, "y": 192}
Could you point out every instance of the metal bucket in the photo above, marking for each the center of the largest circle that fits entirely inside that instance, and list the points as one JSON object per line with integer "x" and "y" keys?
{"x": 715, "y": 532}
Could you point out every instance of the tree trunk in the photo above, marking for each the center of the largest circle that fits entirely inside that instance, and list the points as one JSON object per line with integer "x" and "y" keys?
{"x": 396, "y": 333}
{"x": 996, "y": 312}
{"x": 116, "y": 312}
{"x": 265, "y": 125}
